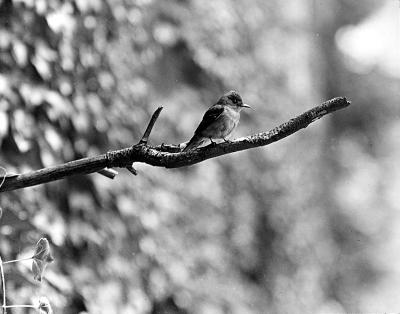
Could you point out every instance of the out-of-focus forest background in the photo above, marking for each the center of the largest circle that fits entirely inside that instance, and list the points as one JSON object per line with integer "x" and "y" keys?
{"x": 307, "y": 225}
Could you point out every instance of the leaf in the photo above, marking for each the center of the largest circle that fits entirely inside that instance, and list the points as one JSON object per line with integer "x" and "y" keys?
{"x": 41, "y": 258}
{"x": 44, "y": 306}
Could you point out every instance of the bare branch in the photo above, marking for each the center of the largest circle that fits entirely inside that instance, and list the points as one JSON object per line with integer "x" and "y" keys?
{"x": 80, "y": 166}
{"x": 111, "y": 173}
{"x": 169, "y": 156}
{"x": 153, "y": 120}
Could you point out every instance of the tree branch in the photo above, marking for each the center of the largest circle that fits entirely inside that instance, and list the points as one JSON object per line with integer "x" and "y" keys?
{"x": 170, "y": 156}
{"x": 111, "y": 173}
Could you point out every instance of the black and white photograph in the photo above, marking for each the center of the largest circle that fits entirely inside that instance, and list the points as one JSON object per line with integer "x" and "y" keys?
{"x": 199, "y": 157}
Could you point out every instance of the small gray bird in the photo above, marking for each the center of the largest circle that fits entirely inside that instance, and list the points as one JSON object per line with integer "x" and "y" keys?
{"x": 219, "y": 120}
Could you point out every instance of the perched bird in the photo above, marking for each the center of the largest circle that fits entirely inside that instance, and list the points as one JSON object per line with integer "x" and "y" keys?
{"x": 219, "y": 120}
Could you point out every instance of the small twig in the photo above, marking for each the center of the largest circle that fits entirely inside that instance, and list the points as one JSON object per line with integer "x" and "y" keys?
{"x": 20, "y": 306}
{"x": 162, "y": 156}
{"x": 149, "y": 128}
{"x": 146, "y": 135}
{"x": 4, "y": 176}
{"x": 109, "y": 173}
{"x": 18, "y": 260}
{"x": 3, "y": 285}
{"x": 132, "y": 170}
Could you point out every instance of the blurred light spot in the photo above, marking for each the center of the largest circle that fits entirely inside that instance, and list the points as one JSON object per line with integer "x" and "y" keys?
{"x": 65, "y": 88}
{"x": 31, "y": 95}
{"x": 119, "y": 12}
{"x": 106, "y": 80}
{"x": 178, "y": 272}
{"x": 45, "y": 52}
{"x": 24, "y": 123}
{"x": 183, "y": 299}
{"x": 7, "y": 230}
{"x": 22, "y": 144}
{"x": 5, "y": 39}
{"x": 62, "y": 20}
{"x": 210, "y": 308}
{"x": 89, "y": 56}
{"x": 140, "y": 301}
{"x": 165, "y": 34}
{"x": 126, "y": 206}
{"x": 102, "y": 125}
{"x": 158, "y": 283}
{"x": 4, "y": 85}
{"x": 81, "y": 145}
{"x": 42, "y": 67}
{"x": 92, "y": 5}
{"x": 20, "y": 53}
{"x": 28, "y": 3}
{"x": 54, "y": 226}
{"x": 169, "y": 200}
{"x": 41, "y": 6}
{"x": 150, "y": 220}
{"x": 47, "y": 158}
{"x": 148, "y": 246}
{"x": 143, "y": 2}
{"x": 374, "y": 42}
{"x": 134, "y": 16}
{"x": 139, "y": 87}
{"x": 205, "y": 56}
{"x": 53, "y": 139}
{"x": 90, "y": 22}
{"x": 331, "y": 307}
{"x": 3, "y": 124}
{"x": 148, "y": 56}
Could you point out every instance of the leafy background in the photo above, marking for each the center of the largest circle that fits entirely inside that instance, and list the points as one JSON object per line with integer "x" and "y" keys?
{"x": 307, "y": 225}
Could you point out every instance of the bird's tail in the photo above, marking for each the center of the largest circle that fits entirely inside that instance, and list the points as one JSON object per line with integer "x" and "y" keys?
{"x": 195, "y": 142}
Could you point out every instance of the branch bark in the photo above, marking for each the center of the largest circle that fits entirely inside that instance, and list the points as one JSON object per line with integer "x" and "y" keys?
{"x": 170, "y": 156}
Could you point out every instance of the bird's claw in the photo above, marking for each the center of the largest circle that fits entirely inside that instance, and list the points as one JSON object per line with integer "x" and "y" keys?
{"x": 212, "y": 142}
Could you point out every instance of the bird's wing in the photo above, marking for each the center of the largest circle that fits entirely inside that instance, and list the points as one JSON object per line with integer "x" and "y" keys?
{"x": 209, "y": 117}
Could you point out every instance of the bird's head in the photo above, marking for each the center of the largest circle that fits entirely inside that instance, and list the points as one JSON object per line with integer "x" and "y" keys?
{"x": 233, "y": 100}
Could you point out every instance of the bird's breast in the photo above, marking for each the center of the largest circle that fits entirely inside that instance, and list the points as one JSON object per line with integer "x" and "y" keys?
{"x": 223, "y": 125}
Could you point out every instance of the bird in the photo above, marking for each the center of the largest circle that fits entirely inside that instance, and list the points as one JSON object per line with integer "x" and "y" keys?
{"x": 219, "y": 120}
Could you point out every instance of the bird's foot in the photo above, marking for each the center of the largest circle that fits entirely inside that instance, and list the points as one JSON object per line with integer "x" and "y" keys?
{"x": 212, "y": 142}
{"x": 227, "y": 141}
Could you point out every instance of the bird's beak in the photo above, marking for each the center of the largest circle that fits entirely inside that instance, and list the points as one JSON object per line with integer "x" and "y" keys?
{"x": 246, "y": 106}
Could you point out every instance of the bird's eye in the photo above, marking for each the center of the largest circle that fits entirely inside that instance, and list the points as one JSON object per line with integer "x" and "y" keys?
{"x": 234, "y": 99}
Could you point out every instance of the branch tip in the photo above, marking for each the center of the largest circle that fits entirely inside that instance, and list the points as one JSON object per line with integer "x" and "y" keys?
{"x": 150, "y": 126}
{"x": 132, "y": 170}
{"x": 108, "y": 172}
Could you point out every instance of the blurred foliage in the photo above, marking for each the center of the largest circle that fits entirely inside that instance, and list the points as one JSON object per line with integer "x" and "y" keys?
{"x": 254, "y": 232}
